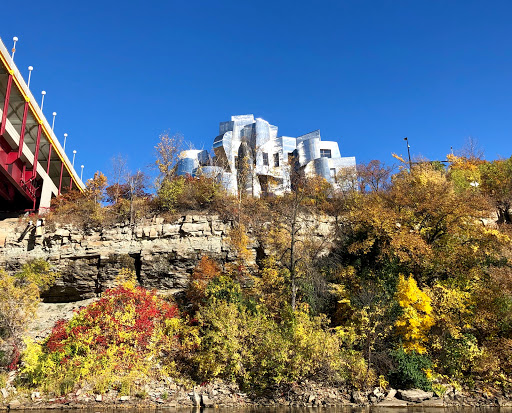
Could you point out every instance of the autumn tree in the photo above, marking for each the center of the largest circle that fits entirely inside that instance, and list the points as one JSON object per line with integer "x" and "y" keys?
{"x": 363, "y": 321}
{"x": 135, "y": 188}
{"x": 205, "y": 270}
{"x": 416, "y": 319}
{"x": 419, "y": 225}
{"x": 373, "y": 176}
{"x": 471, "y": 150}
{"x": 117, "y": 177}
{"x": 19, "y": 298}
{"x": 464, "y": 172}
{"x": 293, "y": 221}
{"x": 95, "y": 187}
{"x": 167, "y": 150}
{"x": 496, "y": 184}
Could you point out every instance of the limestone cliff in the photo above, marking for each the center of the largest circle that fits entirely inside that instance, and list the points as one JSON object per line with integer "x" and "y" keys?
{"x": 162, "y": 254}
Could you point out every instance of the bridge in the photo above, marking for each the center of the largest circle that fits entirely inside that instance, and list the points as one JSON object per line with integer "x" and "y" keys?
{"x": 34, "y": 167}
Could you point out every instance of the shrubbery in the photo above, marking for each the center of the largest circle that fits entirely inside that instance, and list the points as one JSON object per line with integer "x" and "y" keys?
{"x": 19, "y": 298}
{"x": 189, "y": 193}
{"x": 257, "y": 351}
{"x": 412, "y": 370}
{"x": 129, "y": 334}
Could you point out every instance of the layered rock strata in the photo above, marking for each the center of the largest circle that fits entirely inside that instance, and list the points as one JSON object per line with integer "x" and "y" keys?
{"x": 162, "y": 254}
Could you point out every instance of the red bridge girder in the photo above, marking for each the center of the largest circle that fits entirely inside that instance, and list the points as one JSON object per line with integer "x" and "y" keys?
{"x": 27, "y": 143}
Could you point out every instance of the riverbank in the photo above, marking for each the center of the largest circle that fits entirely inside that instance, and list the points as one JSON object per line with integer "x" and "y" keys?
{"x": 169, "y": 395}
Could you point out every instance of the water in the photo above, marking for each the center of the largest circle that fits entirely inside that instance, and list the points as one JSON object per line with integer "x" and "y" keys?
{"x": 372, "y": 409}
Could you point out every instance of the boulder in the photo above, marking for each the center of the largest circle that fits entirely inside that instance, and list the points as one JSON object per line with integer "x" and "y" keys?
{"x": 392, "y": 403}
{"x": 196, "y": 399}
{"x": 414, "y": 395}
{"x": 436, "y": 402}
{"x": 391, "y": 394}
{"x": 359, "y": 398}
{"x": 205, "y": 401}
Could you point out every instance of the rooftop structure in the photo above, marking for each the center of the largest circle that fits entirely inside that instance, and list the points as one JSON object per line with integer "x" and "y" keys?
{"x": 250, "y": 156}
{"x": 33, "y": 165}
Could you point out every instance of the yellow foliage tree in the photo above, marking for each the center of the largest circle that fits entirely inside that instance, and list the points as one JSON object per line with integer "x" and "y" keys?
{"x": 416, "y": 319}
{"x": 19, "y": 298}
{"x": 96, "y": 186}
{"x": 239, "y": 241}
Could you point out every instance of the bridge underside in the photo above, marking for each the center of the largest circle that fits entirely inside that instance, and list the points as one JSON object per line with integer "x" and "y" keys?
{"x": 33, "y": 165}
{"x": 18, "y": 190}
{"x": 14, "y": 200}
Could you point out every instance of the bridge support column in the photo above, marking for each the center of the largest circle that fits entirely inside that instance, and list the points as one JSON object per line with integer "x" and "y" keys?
{"x": 49, "y": 159}
{"x": 23, "y": 128}
{"x": 14, "y": 156}
{"x": 46, "y": 196}
{"x": 36, "y": 153}
{"x": 60, "y": 179}
{"x": 6, "y": 103}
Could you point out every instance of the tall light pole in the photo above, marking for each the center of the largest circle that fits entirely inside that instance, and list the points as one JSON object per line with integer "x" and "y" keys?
{"x": 43, "y": 93}
{"x": 14, "y": 39}
{"x": 65, "y": 137}
{"x": 409, "y": 153}
{"x": 81, "y": 172}
{"x": 73, "y": 163}
{"x": 30, "y": 68}
{"x": 53, "y": 121}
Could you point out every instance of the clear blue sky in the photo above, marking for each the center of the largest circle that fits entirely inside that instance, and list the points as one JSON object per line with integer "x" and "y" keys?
{"x": 366, "y": 73}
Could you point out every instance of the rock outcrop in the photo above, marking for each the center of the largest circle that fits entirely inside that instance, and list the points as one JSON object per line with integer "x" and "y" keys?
{"x": 162, "y": 254}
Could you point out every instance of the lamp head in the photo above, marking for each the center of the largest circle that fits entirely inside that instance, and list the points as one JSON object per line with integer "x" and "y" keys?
{"x": 43, "y": 92}
{"x": 30, "y": 68}
{"x": 54, "y": 113}
{"x": 15, "y": 39}
{"x": 65, "y": 135}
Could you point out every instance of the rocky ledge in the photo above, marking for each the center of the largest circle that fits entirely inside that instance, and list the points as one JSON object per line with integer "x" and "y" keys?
{"x": 163, "y": 254}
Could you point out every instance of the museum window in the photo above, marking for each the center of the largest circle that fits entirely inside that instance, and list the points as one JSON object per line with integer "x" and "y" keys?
{"x": 325, "y": 153}
{"x": 276, "y": 159}
{"x": 265, "y": 158}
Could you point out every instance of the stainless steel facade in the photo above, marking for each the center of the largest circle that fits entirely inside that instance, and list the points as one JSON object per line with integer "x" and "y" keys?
{"x": 271, "y": 157}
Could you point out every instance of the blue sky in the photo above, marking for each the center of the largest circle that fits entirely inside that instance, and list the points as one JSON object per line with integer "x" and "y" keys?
{"x": 366, "y": 73}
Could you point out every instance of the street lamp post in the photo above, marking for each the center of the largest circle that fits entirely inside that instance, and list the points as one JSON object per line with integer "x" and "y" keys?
{"x": 30, "y": 68}
{"x": 14, "y": 39}
{"x": 81, "y": 172}
{"x": 65, "y": 137}
{"x": 43, "y": 93}
{"x": 409, "y": 153}
{"x": 53, "y": 121}
{"x": 74, "y": 154}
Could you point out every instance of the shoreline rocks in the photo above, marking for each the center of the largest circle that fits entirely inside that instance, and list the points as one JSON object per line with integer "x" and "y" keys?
{"x": 167, "y": 394}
